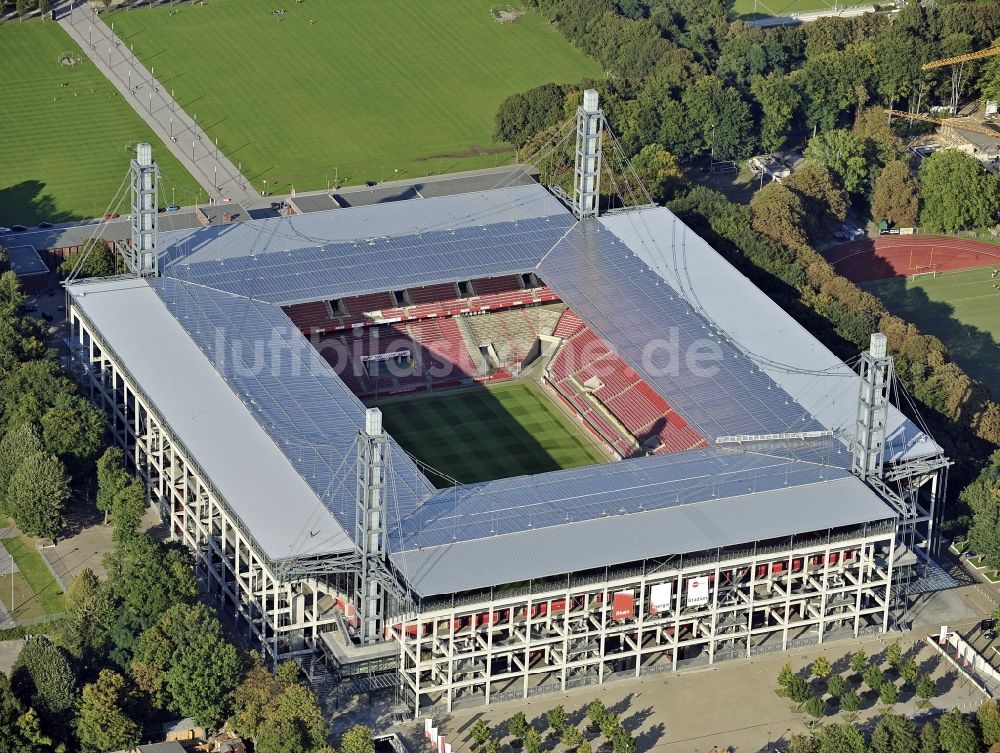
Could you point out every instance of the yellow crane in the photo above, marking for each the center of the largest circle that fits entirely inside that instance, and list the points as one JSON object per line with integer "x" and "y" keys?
{"x": 949, "y": 122}
{"x": 963, "y": 58}
{"x": 956, "y": 73}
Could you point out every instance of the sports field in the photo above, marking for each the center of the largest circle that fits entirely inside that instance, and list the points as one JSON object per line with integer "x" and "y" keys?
{"x": 961, "y": 307}
{"x": 64, "y": 131}
{"x": 488, "y": 432}
{"x": 353, "y": 90}
{"x": 746, "y": 8}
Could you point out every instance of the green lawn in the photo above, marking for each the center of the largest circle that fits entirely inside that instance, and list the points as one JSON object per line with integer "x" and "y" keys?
{"x": 64, "y": 149}
{"x": 487, "y": 433}
{"x": 959, "y": 307}
{"x": 358, "y": 89}
{"x": 746, "y": 8}
{"x": 36, "y": 592}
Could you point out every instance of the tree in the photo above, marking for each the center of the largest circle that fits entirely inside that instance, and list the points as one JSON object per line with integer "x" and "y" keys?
{"x": 859, "y": 662}
{"x": 29, "y": 726}
{"x": 908, "y": 670}
{"x": 11, "y": 296}
{"x": 358, "y": 739}
{"x": 803, "y": 744}
{"x": 894, "y": 734}
{"x": 849, "y": 701}
{"x": 779, "y": 214}
{"x": 956, "y": 733}
{"x": 929, "y": 739}
{"x": 840, "y": 738}
{"x": 958, "y": 193}
{"x": 571, "y": 737}
{"x": 72, "y": 428}
{"x": 84, "y": 633}
{"x": 824, "y": 203}
{"x": 889, "y": 693}
{"x": 127, "y": 510}
{"x": 658, "y": 171}
{"x": 844, "y": 155}
{"x": 100, "y": 723}
{"x": 722, "y": 118}
{"x": 558, "y": 719}
{"x": 798, "y": 690}
{"x": 778, "y": 100}
{"x": 835, "y": 686}
{"x": 926, "y": 688}
{"x": 295, "y": 725}
{"x": 610, "y": 726}
{"x": 816, "y": 707}
{"x": 989, "y": 81}
{"x": 100, "y": 260}
{"x": 980, "y": 496}
{"x": 532, "y": 741}
{"x": 144, "y": 579}
{"x": 43, "y": 679}
{"x": 524, "y": 114}
{"x": 111, "y": 478}
{"x": 22, "y": 7}
{"x": 43, "y": 6}
{"x": 15, "y": 447}
{"x": 4, "y": 260}
{"x": 897, "y": 195}
{"x": 516, "y": 726}
{"x": 873, "y": 677}
{"x": 493, "y": 746}
{"x": 988, "y": 716}
{"x": 480, "y": 732}
{"x": 785, "y": 675}
{"x": 186, "y": 663}
{"x": 585, "y": 747}
{"x": 821, "y": 667}
{"x": 37, "y": 494}
{"x": 596, "y": 713}
{"x": 11, "y": 740}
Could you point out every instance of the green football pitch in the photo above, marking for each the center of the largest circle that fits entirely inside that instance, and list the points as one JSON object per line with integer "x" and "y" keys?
{"x": 65, "y": 132}
{"x": 747, "y": 8}
{"x": 351, "y": 90}
{"x": 962, "y": 308}
{"x": 488, "y": 432}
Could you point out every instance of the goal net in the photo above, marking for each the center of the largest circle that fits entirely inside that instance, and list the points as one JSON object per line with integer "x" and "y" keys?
{"x": 926, "y": 270}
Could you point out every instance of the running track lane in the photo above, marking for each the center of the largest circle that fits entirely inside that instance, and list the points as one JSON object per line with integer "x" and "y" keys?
{"x": 899, "y": 256}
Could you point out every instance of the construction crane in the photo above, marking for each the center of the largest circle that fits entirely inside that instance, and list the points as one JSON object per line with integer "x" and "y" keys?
{"x": 965, "y": 57}
{"x": 957, "y": 72}
{"x": 949, "y": 122}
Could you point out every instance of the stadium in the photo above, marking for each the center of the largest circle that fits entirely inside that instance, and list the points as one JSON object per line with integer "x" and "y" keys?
{"x": 731, "y": 488}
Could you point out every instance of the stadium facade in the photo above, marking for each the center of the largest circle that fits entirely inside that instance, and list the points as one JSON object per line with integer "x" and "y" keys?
{"x": 762, "y": 494}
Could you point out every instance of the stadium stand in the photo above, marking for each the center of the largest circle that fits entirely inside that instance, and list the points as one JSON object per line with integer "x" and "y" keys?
{"x": 621, "y": 409}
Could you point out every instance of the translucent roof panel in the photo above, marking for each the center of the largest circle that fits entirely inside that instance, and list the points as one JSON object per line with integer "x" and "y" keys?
{"x": 308, "y": 412}
{"x": 382, "y": 263}
{"x": 773, "y": 341}
{"x": 690, "y": 362}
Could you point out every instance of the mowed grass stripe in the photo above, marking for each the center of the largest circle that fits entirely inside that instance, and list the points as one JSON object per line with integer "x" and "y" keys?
{"x": 488, "y": 433}
{"x": 961, "y": 308}
{"x": 369, "y": 88}
{"x": 64, "y": 149}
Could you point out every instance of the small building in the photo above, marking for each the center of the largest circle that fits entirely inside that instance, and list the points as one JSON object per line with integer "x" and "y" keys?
{"x": 183, "y": 730}
{"x": 29, "y": 267}
{"x": 166, "y": 747}
{"x": 771, "y": 166}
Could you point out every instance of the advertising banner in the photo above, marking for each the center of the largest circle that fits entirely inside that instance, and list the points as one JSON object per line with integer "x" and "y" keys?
{"x": 661, "y": 597}
{"x": 623, "y": 606}
{"x": 698, "y": 591}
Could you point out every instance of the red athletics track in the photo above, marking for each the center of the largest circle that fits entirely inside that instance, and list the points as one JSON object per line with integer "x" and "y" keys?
{"x": 902, "y": 255}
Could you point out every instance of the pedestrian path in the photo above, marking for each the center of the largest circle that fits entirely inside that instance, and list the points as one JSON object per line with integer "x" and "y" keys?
{"x": 219, "y": 177}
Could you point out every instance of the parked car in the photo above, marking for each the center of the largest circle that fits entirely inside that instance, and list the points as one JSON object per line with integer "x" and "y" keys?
{"x": 110, "y": 216}
{"x": 19, "y": 228}
{"x": 172, "y": 208}
{"x": 4, "y": 230}
{"x": 43, "y": 225}
{"x": 29, "y": 309}
{"x": 46, "y": 316}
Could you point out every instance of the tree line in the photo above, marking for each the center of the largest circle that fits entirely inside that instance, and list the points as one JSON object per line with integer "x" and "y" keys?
{"x": 137, "y": 647}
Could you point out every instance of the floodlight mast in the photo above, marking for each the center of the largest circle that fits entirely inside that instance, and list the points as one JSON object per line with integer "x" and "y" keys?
{"x": 142, "y": 258}
{"x": 587, "y": 171}
{"x": 868, "y": 448}
{"x": 372, "y": 471}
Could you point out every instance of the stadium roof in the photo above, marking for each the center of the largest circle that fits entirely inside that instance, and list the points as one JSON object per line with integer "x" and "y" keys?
{"x": 645, "y": 509}
{"x": 649, "y": 287}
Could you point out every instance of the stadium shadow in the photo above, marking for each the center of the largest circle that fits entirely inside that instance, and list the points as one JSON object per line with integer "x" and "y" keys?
{"x": 970, "y": 347}
{"x": 470, "y": 435}
{"x": 25, "y": 204}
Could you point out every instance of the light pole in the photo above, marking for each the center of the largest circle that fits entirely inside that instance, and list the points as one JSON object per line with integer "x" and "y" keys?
{"x": 173, "y": 195}
{"x": 192, "y": 150}
{"x": 90, "y": 36}
{"x": 173, "y": 102}
{"x": 171, "y": 128}
{"x": 130, "y": 80}
{"x": 151, "y": 103}
{"x": 217, "y": 147}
